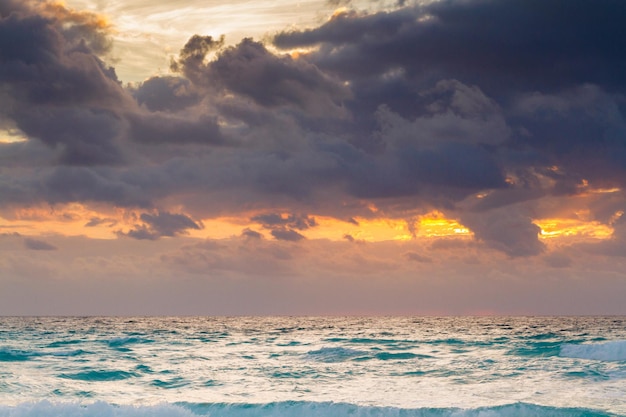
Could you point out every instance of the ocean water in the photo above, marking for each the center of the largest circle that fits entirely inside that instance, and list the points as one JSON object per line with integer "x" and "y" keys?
{"x": 300, "y": 366}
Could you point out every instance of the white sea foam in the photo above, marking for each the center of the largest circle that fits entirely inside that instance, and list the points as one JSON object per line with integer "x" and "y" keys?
{"x": 98, "y": 409}
{"x": 608, "y": 351}
{"x": 309, "y": 367}
{"x": 281, "y": 409}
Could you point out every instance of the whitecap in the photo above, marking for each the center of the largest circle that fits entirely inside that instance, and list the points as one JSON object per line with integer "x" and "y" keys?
{"x": 609, "y": 351}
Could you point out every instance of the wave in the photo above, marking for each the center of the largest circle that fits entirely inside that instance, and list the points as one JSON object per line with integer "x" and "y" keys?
{"x": 98, "y": 375}
{"x": 127, "y": 340}
{"x": 16, "y": 355}
{"x": 335, "y": 354}
{"x": 283, "y": 409}
{"x": 537, "y": 349}
{"x": 609, "y": 351}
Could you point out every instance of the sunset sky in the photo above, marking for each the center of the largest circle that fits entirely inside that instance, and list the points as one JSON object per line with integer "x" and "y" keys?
{"x": 312, "y": 157}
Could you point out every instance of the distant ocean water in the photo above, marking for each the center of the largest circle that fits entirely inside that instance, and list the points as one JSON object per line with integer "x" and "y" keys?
{"x": 300, "y": 366}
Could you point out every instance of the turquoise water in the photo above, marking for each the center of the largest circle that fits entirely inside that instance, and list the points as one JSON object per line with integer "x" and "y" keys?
{"x": 251, "y": 366}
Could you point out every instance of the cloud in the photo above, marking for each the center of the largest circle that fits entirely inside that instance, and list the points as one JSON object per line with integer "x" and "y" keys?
{"x": 154, "y": 128}
{"x": 35, "y": 244}
{"x": 294, "y": 221}
{"x": 509, "y": 230}
{"x": 501, "y": 46}
{"x": 166, "y": 94}
{"x": 418, "y": 108}
{"x": 191, "y": 60}
{"x": 282, "y": 226}
{"x": 250, "y": 70}
{"x": 96, "y": 221}
{"x": 58, "y": 88}
{"x": 162, "y": 224}
{"x": 416, "y": 257}
{"x": 251, "y": 234}
{"x": 558, "y": 260}
{"x": 83, "y": 136}
{"x": 286, "y": 234}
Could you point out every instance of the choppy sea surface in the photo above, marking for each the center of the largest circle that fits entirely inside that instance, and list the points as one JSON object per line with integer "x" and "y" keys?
{"x": 301, "y": 366}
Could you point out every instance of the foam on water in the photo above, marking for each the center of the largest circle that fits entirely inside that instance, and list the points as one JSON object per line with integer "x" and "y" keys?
{"x": 609, "y": 351}
{"x": 282, "y": 409}
{"x": 335, "y": 354}
{"x": 299, "y": 366}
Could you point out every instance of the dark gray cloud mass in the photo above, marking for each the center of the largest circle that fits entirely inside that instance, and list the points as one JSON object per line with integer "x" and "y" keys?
{"x": 502, "y": 46}
{"x": 416, "y": 108}
{"x": 294, "y": 221}
{"x": 286, "y": 234}
{"x": 284, "y": 227}
{"x": 162, "y": 224}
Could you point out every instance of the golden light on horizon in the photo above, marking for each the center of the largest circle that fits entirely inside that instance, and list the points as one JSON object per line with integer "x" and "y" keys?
{"x": 431, "y": 225}
{"x": 75, "y": 219}
{"x": 562, "y": 228}
{"x": 66, "y": 220}
{"x": 368, "y": 230}
{"x": 435, "y": 224}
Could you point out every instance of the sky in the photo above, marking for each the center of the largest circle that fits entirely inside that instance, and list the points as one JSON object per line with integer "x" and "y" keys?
{"x": 327, "y": 157}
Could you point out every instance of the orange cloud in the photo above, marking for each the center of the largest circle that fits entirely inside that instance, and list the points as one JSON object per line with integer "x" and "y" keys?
{"x": 573, "y": 228}
{"x": 435, "y": 224}
{"x": 58, "y": 10}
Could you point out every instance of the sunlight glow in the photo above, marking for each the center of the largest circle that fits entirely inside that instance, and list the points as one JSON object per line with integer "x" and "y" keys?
{"x": 66, "y": 220}
{"x": 106, "y": 223}
{"x": 12, "y": 136}
{"x": 559, "y": 228}
{"x": 435, "y": 224}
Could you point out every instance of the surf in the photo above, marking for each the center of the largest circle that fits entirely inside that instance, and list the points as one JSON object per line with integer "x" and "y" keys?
{"x": 283, "y": 409}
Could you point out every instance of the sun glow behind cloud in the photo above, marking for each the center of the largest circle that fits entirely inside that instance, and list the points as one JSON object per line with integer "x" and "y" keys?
{"x": 379, "y": 154}
{"x": 105, "y": 223}
{"x": 570, "y": 228}
{"x": 11, "y": 136}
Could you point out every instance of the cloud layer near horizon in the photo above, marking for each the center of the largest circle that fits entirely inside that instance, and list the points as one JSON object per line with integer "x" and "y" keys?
{"x": 494, "y": 113}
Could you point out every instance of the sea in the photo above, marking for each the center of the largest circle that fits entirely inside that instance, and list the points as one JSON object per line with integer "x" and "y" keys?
{"x": 312, "y": 366}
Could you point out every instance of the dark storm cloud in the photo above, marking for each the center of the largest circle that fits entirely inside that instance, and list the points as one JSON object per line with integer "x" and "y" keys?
{"x": 287, "y": 234}
{"x": 507, "y": 49}
{"x": 162, "y": 224}
{"x": 417, "y": 108}
{"x": 155, "y": 128}
{"x": 502, "y": 46}
{"x": 191, "y": 60}
{"x": 166, "y": 94}
{"x": 509, "y": 230}
{"x": 284, "y": 227}
{"x": 251, "y": 70}
{"x": 84, "y": 136}
{"x": 70, "y": 184}
{"x": 57, "y": 89}
{"x": 582, "y": 129}
{"x": 35, "y": 244}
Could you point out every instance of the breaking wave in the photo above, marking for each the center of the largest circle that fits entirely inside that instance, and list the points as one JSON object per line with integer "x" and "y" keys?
{"x": 282, "y": 409}
{"x": 609, "y": 351}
